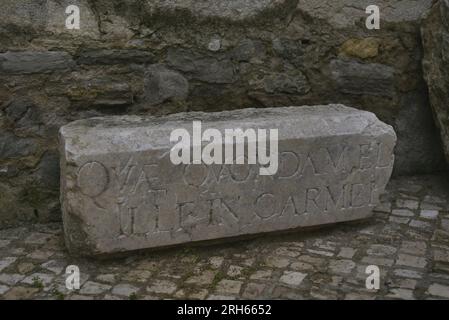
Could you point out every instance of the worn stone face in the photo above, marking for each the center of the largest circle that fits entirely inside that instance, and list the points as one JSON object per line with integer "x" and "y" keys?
{"x": 34, "y": 62}
{"x": 161, "y": 84}
{"x": 231, "y": 9}
{"x": 120, "y": 191}
{"x": 206, "y": 69}
{"x": 352, "y": 77}
{"x": 279, "y": 82}
{"x": 435, "y": 32}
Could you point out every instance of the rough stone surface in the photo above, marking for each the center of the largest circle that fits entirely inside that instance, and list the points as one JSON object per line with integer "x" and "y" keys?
{"x": 435, "y": 32}
{"x": 232, "y": 9}
{"x": 334, "y": 162}
{"x": 114, "y": 56}
{"x": 162, "y": 84}
{"x": 207, "y": 69}
{"x": 353, "y": 77}
{"x": 34, "y": 62}
{"x": 100, "y": 93}
{"x": 281, "y": 83}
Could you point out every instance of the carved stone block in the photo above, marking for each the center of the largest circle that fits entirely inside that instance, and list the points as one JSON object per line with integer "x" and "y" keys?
{"x": 120, "y": 191}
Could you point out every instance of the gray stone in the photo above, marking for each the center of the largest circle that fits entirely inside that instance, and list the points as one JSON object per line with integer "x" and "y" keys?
{"x": 4, "y": 243}
{"x": 411, "y": 261}
{"x": 162, "y": 84}
{"x": 27, "y": 62}
{"x": 214, "y": 44}
{"x": 6, "y": 262}
{"x": 399, "y": 220}
{"x": 248, "y": 50}
{"x": 378, "y": 261}
{"x": 285, "y": 83}
{"x": 26, "y": 117}
{"x": 40, "y": 255}
{"x": 435, "y": 34}
{"x": 277, "y": 262}
{"x": 234, "y": 271}
{"x": 400, "y": 293}
{"x": 417, "y": 248}
{"x": 420, "y": 224}
{"x": 38, "y": 279}
{"x": 108, "y": 278}
{"x": 261, "y": 274}
{"x": 3, "y": 289}
{"x": 347, "y": 253}
{"x": 231, "y": 287}
{"x": 341, "y": 266}
{"x": 124, "y": 289}
{"x": 291, "y": 50}
{"x": 207, "y": 69}
{"x": 407, "y": 203}
{"x": 162, "y": 286}
{"x": 439, "y": 290}
{"x": 91, "y": 287}
{"x": 11, "y": 279}
{"x": 54, "y": 266}
{"x": 120, "y": 191}
{"x": 381, "y": 250}
{"x": 402, "y": 212}
{"x": 48, "y": 170}
{"x": 115, "y": 56}
{"x": 429, "y": 214}
{"x": 253, "y": 291}
{"x": 16, "y": 109}
{"x": 12, "y": 146}
{"x": 292, "y": 278}
{"x": 372, "y": 79}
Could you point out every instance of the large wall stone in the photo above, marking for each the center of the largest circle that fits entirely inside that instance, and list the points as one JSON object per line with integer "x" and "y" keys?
{"x": 435, "y": 31}
{"x": 162, "y": 57}
{"x": 35, "y": 62}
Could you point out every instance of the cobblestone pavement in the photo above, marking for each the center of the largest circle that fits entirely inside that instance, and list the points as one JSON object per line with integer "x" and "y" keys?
{"x": 408, "y": 239}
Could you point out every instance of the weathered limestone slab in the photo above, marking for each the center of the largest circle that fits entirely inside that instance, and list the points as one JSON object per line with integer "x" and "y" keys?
{"x": 120, "y": 190}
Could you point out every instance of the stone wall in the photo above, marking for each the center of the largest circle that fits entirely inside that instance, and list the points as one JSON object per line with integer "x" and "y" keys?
{"x": 160, "y": 57}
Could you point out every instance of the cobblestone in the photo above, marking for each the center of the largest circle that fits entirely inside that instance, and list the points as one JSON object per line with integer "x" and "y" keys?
{"x": 91, "y": 287}
{"x": 439, "y": 290}
{"x": 407, "y": 238}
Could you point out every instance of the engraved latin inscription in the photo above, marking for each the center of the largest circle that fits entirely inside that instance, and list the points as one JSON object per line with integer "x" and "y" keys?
{"x": 142, "y": 191}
